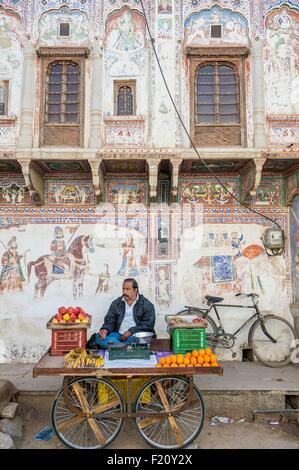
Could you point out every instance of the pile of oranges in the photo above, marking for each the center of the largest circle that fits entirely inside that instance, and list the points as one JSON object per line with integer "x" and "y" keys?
{"x": 196, "y": 358}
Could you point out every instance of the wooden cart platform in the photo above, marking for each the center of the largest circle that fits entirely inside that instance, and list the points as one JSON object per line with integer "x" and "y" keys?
{"x": 89, "y": 409}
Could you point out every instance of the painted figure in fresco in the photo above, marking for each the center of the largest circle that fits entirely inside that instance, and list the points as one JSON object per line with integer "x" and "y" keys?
{"x": 128, "y": 265}
{"x": 59, "y": 254}
{"x": 124, "y": 35}
{"x": 77, "y": 256}
{"x": 5, "y": 42}
{"x": 165, "y": 6}
{"x": 237, "y": 243}
{"x": 163, "y": 288}
{"x": 11, "y": 277}
{"x": 104, "y": 281}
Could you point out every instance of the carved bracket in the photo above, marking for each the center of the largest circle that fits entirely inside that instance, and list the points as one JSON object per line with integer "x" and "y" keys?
{"x": 153, "y": 167}
{"x": 97, "y": 179}
{"x": 33, "y": 180}
{"x": 259, "y": 163}
{"x": 175, "y": 178}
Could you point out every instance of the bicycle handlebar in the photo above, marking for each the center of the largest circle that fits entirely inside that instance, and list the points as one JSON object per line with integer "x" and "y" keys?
{"x": 247, "y": 295}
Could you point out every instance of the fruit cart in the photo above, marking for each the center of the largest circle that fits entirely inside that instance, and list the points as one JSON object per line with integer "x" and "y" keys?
{"x": 89, "y": 410}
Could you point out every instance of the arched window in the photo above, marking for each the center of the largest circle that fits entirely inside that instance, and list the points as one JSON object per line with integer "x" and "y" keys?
{"x": 217, "y": 97}
{"x": 125, "y": 98}
{"x": 63, "y": 93}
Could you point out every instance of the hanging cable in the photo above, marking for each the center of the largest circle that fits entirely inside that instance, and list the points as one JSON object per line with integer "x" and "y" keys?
{"x": 186, "y": 130}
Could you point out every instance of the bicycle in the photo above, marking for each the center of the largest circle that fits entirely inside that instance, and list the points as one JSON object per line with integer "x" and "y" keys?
{"x": 270, "y": 337}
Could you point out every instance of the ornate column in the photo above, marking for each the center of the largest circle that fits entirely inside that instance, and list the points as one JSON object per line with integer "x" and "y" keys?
{"x": 175, "y": 177}
{"x": 27, "y": 100}
{"x": 153, "y": 168}
{"x": 95, "y": 139}
{"x": 258, "y": 94}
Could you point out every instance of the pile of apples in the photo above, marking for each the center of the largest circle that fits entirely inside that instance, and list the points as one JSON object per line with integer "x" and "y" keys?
{"x": 71, "y": 315}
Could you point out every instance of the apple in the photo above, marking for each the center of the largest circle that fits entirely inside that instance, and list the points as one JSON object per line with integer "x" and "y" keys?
{"x": 77, "y": 321}
{"x": 81, "y": 316}
{"x": 55, "y": 320}
{"x": 58, "y": 316}
{"x": 70, "y": 310}
{"x": 73, "y": 317}
{"x": 66, "y": 317}
{"x": 85, "y": 320}
{"x": 62, "y": 321}
{"x": 77, "y": 310}
{"x": 62, "y": 310}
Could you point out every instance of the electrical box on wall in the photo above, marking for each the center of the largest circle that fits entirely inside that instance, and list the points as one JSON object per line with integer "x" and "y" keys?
{"x": 273, "y": 240}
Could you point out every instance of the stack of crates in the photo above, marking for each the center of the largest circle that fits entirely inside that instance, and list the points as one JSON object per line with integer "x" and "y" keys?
{"x": 187, "y": 339}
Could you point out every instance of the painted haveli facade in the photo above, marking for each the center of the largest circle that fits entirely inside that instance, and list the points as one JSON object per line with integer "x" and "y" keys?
{"x": 98, "y": 180}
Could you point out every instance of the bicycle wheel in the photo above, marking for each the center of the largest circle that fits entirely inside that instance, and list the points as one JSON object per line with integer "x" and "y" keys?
{"x": 272, "y": 354}
{"x": 211, "y": 330}
{"x": 168, "y": 394}
{"x": 91, "y": 397}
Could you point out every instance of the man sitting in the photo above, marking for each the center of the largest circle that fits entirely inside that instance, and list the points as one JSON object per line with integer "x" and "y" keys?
{"x": 126, "y": 316}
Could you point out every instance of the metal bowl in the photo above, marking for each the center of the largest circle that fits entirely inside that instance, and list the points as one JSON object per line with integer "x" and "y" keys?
{"x": 143, "y": 337}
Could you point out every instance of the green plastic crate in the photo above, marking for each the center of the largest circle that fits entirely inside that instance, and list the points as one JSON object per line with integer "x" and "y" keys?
{"x": 187, "y": 339}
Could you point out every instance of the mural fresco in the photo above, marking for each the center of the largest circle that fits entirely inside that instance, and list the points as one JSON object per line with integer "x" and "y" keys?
{"x": 59, "y": 191}
{"x": 124, "y": 132}
{"x": 229, "y": 266}
{"x": 269, "y": 192}
{"x": 292, "y": 187}
{"x": 282, "y": 61}
{"x": 84, "y": 254}
{"x": 198, "y": 27}
{"x": 49, "y": 25}
{"x": 125, "y": 31}
{"x": 203, "y": 191}
{"x": 127, "y": 192}
{"x": 284, "y": 135}
{"x": 10, "y": 70}
{"x": 164, "y": 7}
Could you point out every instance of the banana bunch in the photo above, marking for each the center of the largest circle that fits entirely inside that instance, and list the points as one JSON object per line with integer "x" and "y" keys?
{"x": 81, "y": 358}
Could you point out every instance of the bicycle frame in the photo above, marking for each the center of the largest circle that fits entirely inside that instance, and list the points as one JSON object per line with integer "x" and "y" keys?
{"x": 249, "y": 320}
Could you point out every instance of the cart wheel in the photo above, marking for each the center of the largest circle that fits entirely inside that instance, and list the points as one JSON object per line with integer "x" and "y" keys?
{"x": 77, "y": 419}
{"x": 169, "y": 394}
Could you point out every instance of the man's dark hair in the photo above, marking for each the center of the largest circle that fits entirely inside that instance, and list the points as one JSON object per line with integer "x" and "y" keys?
{"x": 133, "y": 282}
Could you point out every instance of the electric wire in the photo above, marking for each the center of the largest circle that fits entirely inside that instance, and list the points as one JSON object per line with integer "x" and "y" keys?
{"x": 187, "y": 132}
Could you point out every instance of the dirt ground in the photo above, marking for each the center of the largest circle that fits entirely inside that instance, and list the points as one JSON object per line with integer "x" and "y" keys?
{"x": 246, "y": 435}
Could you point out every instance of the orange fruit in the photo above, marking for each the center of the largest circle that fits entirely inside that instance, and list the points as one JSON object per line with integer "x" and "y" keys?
{"x": 190, "y": 365}
{"x": 173, "y": 358}
{"x": 180, "y": 359}
{"x": 193, "y": 361}
{"x": 158, "y": 365}
{"x": 201, "y": 352}
{"x": 200, "y": 360}
{"x": 206, "y": 364}
{"x": 208, "y": 351}
{"x": 168, "y": 360}
{"x": 162, "y": 360}
{"x": 186, "y": 361}
{"x": 182, "y": 365}
{"x": 166, "y": 365}
{"x": 213, "y": 358}
{"x": 194, "y": 353}
{"x": 206, "y": 358}
{"x": 174, "y": 364}
{"x": 214, "y": 364}
{"x": 188, "y": 355}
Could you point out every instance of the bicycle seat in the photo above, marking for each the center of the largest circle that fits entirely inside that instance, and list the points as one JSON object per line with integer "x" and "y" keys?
{"x": 212, "y": 299}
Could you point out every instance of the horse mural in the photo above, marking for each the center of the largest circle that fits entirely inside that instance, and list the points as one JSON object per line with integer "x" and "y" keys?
{"x": 72, "y": 266}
